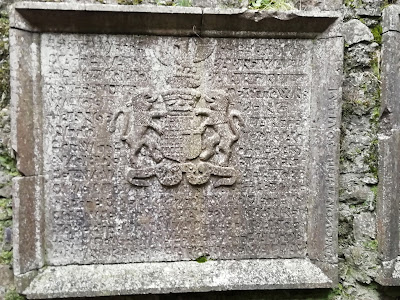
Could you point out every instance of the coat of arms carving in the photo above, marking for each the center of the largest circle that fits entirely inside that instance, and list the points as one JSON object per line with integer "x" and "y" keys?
{"x": 187, "y": 132}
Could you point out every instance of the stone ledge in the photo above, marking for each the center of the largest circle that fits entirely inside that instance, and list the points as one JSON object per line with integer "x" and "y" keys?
{"x": 167, "y": 277}
{"x": 176, "y": 21}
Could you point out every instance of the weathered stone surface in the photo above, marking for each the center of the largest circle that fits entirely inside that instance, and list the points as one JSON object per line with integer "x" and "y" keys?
{"x": 391, "y": 19}
{"x": 306, "y": 5}
{"x": 220, "y": 3}
{"x": 389, "y": 152}
{"x": 368, "y": 10}
{"x": 7, "y": 240}
{"x": 175, "y": 21}
{"x": 157, "y": 278}
{"x": 28, "y": 223}
{"x": 6, "y": 279}
{"x": 155, "y": 148}
{"x": 25, "y": 91}
{"x": 364, "y": 226}
{"x": 388, "y": 217}
{"x": 390, "y": 107}
{"x": 5, "y": 128}
{"x": 318, "y": 4}
{"x": 355, "y": 32}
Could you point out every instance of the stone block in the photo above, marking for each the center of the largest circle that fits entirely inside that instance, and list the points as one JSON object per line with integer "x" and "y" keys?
{"x": 6, "y": 279}
{"x": 28, "y": 224}
{"x": 25, "y": 87}
{"x": 389, "y": 152}
{"x": 355, "y": 31}
{"x": 391, "y": 18}
{"x": 364, "y": 225}
{"x": 170, "y": 135}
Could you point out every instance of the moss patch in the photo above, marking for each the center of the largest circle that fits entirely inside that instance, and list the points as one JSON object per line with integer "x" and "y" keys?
{"x": 13, "y": 295}
{"x": 371, "y": 245}
{"x": 372, "y": 158}
{"x": 338, "y": 291}
{"x": 377, "y": 33}
{"x": 353, "y": 3}
{"x": 6, "y": 257}
{"x": 184, "y": 3}
{"x": 271, "y": 4}
{"x": 8, "y": 164}
{"x": 202, "y": 259}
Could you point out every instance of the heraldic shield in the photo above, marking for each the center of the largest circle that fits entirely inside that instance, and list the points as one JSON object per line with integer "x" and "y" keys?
{"x": 188, "y": 134}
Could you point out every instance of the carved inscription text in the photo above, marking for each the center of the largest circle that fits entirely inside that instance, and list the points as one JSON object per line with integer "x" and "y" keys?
{"x": 165, "y": 149}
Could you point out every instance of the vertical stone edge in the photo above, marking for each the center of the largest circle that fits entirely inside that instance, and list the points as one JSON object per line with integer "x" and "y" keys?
{"x": 28, "y": 228}
{"x": 387, "y": 204}
{"x": 391, "y": 18}
{"x": 390, "y": 108}
{"x": 389, "y": 150}
{"x": 324, "y": 144}
{"x": 26, "y": 110}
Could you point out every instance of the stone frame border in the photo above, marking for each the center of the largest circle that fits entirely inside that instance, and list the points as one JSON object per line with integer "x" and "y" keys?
{"x": 389, "y": 152}
{"x": 36, "y": 280}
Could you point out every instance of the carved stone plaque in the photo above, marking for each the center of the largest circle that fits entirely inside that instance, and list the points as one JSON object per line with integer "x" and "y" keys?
{"x": 155, "y": 150}
{"x": 388, "y": 221}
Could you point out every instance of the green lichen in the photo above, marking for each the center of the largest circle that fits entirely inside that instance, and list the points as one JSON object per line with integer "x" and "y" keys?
{"x": 348, "y": 3}
{"x": 374, "y": 189}
{"x": 375, "y": 115}
{"x": 202, "y": 259}
{"x": 185, "y": 3}
{"x": 386, "y": 3}
{"x": 6, "y": 257}
{"x": 338, "y": 291}
{"x": 377, "y": 33}
{"x": 371, "y": 245}
{"x": 5, "y": 211}
{"x": 372, "y": 158}
{"x": 353, "y": 3}
{"x": 13, "y": 295}
{"x": 5, "y": 221}
{"x": 271, "y": 4}
{"x": 8, "y": 164}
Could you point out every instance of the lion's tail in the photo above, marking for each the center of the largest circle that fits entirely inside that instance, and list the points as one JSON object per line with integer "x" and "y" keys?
{"x": 235, "y": 122}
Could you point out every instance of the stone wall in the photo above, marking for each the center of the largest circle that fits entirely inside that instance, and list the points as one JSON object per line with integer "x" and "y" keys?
{"x": 7, "y": 164}
{"x": 358, "y": 248}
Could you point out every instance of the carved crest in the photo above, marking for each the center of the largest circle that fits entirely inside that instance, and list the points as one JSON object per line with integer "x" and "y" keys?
{"x": 186, "y": 133}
